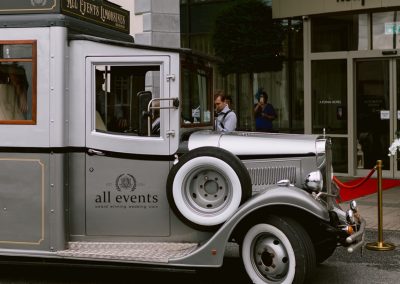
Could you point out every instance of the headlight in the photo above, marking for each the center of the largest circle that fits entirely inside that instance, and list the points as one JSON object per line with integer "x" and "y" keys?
{"x": 353, "y": 206}
{"x": 314, "y": 181}
{"x": 350, "y": 217}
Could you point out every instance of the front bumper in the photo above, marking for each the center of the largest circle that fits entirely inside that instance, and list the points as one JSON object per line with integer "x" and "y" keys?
{"x": 356, "y": 240}
{"x": 350, "y": 234}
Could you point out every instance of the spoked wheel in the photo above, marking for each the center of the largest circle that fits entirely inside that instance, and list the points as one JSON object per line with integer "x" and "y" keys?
{"x": 207, "y": 186}
{"x": 278, "y": 251}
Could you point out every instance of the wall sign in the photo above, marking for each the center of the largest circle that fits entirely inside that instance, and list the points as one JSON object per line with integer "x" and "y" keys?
{"x": 362, "y": 1}
{"x": 392, "y": 28}
{"x": 330, "y": 102}
{"x": 384, "y": 114}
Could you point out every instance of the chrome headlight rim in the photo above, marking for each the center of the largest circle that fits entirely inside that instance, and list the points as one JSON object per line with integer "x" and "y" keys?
{"x": 314, "y": 181}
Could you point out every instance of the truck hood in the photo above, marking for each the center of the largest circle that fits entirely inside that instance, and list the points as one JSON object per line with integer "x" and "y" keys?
{"x": 257, "y": 143}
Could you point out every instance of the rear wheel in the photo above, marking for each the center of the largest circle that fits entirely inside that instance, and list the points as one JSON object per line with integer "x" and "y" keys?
{"x": 278, "y": 251}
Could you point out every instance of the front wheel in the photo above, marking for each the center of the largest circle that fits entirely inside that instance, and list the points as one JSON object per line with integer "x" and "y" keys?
{"x": 278, "y": 251}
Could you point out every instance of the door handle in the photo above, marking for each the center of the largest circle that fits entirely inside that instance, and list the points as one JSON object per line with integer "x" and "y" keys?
{"x": 92, "y": 152}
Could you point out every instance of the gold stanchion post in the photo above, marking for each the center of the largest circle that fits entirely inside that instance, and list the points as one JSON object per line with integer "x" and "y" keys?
{"x": 380, "y": 245}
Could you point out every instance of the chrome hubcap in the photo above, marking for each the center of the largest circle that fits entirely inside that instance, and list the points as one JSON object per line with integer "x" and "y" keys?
{"x": 207, "y": 191}
{"x": 270, "y": 257}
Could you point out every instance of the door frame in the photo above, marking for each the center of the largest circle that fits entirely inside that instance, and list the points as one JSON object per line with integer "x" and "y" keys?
{"x": 142, "y": 145}
{"x": 392, "y": 172}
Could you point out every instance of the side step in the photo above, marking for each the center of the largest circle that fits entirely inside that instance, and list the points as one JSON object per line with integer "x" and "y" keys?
{"x": 143, "y": 252}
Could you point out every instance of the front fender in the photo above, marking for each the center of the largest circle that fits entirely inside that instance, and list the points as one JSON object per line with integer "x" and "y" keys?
{"x": 284, "y": 195}
{"x": 211, "y": 253}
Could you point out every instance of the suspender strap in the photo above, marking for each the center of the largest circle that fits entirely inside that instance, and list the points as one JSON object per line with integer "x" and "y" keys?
{"x": 223, "y": 119}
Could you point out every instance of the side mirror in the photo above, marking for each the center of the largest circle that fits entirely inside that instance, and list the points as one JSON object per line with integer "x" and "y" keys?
{"x": 144, "y": 100}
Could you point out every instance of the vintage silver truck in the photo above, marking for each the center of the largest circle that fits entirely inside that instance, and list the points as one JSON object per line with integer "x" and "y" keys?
{"x": 86, "y": 176}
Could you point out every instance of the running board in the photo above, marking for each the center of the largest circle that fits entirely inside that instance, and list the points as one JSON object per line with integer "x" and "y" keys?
{"x": 141, "y": 252}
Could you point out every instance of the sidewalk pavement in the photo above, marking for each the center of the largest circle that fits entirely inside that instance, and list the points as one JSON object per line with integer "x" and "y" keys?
{"x": 368, "y": 208}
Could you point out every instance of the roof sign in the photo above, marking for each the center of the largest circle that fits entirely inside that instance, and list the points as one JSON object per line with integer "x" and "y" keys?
{"x": 100, "y": 12}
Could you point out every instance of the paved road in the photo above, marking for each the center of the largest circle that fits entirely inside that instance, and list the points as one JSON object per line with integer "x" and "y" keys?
{"x": 371, "y": 267}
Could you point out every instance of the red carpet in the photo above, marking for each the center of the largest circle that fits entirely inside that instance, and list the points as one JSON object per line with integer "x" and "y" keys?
{"x": 368, "y": 187}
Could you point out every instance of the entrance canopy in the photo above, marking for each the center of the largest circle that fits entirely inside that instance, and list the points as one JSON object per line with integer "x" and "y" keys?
{"x": 295, "y": 8}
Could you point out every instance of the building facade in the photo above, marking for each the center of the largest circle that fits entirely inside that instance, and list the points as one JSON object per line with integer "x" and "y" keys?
{"x": 351, "y": 77}
{"x": 154, "y": 22}
{"x": 340, "y": 76}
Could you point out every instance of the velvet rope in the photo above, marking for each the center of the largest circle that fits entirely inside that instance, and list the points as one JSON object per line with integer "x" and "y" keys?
{"x": 339, "y": 183}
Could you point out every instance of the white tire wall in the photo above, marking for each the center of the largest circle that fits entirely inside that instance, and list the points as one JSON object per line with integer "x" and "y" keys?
{"x": 278, "y": 251}
{"x": 207, "y": 186}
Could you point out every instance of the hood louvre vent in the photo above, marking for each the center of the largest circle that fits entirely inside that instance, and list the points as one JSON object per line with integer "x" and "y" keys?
{"x": 271, "y": 175}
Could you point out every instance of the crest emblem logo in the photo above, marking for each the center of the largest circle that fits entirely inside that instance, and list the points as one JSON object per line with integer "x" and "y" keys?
{"x": 125, "y": 182}
{"x": 38, "y": 2}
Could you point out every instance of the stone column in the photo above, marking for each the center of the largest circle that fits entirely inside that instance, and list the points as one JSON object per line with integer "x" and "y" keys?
{"x": 161, "y": 22}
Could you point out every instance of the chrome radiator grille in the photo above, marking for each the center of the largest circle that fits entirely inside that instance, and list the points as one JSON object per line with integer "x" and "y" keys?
{"x": 264, "y": 173}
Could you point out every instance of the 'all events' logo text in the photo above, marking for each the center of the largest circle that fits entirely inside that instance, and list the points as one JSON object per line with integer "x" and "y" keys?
{"x": 123, "y": 196}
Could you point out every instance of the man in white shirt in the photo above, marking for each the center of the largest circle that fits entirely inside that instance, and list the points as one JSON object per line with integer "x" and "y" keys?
{"x": 225, "y": 118}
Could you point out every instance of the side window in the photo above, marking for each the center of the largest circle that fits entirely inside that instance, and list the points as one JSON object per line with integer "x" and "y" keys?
{"x": 17, "y": 82}
{"x": 197, "y": 103}
{"x": 122, "y": 96}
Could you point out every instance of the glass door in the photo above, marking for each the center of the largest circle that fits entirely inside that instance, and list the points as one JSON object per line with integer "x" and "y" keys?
{"x": 396, "y": 87}
{"x": 373, "y": 120}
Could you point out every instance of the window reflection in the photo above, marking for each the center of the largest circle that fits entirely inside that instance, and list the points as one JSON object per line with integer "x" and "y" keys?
{"x": 17, "y": 100}
{"x": 329, "y": 96}
{"x": 339, "y": 33}
{"x": 122, "y": 95}
{"x": 339, "y": 152}
{"x": 386, "y": 30}
{"x": 288, "y": 102}
{"x": 197, "y": 103}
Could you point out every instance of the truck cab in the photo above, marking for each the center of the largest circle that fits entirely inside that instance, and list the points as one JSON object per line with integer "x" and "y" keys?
{"x": 108, "y": 153}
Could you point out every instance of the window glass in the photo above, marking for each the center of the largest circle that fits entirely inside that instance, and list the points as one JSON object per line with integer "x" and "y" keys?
{"x": 339, "y": 33}
{"x": 297, "y": 97}
{"x": 386, "y": 30}
{"x": 329, "y": 96}
{"x": 17, "y": 83}
{"x": 122, "y": 97}
{"x": 244, "y": 108}
{"x": 196, "y": 95}
{"x": 373, "y": 92}
{"x": 295, "y": 36}
{"x": 339, "y": 155}
{"x": 273, "y": 83}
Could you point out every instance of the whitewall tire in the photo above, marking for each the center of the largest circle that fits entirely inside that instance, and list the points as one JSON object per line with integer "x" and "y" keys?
{"x": 278, "y": 251}
{"x": 207, "y": 186}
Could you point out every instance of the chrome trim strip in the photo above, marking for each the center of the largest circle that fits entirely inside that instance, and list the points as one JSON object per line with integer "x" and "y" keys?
{"x": 328, "y": 169}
